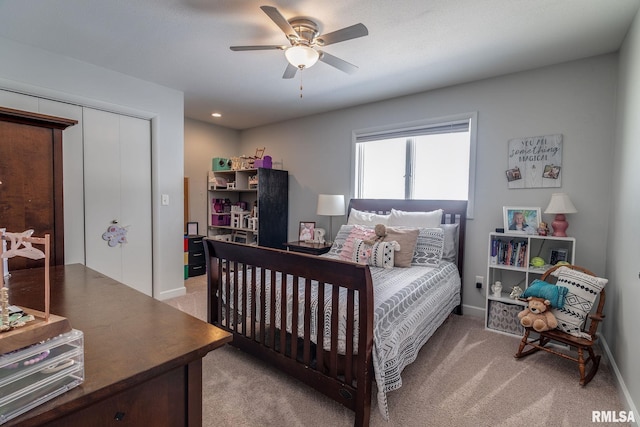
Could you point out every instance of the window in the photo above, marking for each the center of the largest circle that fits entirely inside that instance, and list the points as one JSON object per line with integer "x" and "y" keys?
{"x": 427, "y": 160}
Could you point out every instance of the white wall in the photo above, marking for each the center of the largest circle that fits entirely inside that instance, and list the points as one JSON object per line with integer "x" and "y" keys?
{"x": 576, "y": 99}
{"x": 203, "y": 142}
{"x": 623, "y": 262}
{"x": 36, "y": 72}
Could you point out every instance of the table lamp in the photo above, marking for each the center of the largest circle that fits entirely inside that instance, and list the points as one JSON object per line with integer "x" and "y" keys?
{"x": 330, "y": 205}
{"x": 560, "y": 204}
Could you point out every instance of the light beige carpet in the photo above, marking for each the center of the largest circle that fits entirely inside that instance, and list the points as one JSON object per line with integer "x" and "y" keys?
{"x": 464, "y": 376}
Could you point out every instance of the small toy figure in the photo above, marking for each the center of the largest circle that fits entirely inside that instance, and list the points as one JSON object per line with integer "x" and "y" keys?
{"x": 543, "y": 230}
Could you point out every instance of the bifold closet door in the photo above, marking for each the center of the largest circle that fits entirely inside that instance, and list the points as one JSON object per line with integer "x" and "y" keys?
{"x": 117, "y": 179}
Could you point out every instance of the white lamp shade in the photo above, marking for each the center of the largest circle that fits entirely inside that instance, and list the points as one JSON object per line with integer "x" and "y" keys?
{"x": 560, "y": 204}
{"x": 330, "y": 204}
{"x": 301, "y": 56}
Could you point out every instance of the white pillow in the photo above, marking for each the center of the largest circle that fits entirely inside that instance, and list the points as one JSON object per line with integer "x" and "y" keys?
{"x": 380, "y": 254}
{"x": 583, "y": 292}
{"x": 357, "y": 217}
{"x": 415, "y": 219}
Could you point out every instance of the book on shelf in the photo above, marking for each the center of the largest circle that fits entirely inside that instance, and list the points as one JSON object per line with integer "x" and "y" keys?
{"x": 512, "y": 252}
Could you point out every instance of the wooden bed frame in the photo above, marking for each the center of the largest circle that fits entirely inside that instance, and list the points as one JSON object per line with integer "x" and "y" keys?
{"x": 325, "y": 370}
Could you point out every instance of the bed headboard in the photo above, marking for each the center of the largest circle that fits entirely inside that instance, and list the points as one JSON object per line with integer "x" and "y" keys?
{"x": 454, "y": 212}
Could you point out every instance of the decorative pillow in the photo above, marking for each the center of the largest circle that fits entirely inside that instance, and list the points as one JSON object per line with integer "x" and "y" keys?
{"x": 380, "y": 254}
{"x": 583, "y": 289}
{"x": 429, "y": 247}
{"x": 366, "y": 218}
{"x": 406, "y": 238}
{"x": 345, "y": 239}
{"x": 416, "y": 219}
{"x": 450, "y": 249}
{"x": 541, "y": 289}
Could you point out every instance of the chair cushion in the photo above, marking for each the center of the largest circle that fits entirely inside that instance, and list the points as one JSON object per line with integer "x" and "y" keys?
{"x": 583, "y": 289}
{"x": 541, "y": 289}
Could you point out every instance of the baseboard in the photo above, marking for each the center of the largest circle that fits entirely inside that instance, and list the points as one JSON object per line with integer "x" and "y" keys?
{"x": 471, "y": 310}
{"x": 625, "y": 397}
{"x": 178, "y": 292}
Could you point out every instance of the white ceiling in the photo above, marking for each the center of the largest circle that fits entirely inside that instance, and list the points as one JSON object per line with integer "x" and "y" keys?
{"x": 412, "y": 46}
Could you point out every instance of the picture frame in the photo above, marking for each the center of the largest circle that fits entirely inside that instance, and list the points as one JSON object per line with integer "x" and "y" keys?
{"x": 558, "y": 254}
{"x": 306, "y": 230}
{"x": 192, "y": 228}
{"x": 521, "y": 220}
{"x": 513, "y": 174}
{"x": 551, "y": 171}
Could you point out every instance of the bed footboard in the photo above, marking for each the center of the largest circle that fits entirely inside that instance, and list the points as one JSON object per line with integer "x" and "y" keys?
{"x": 281, "y": 307}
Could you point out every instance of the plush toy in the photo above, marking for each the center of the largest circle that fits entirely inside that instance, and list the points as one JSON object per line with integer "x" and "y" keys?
{"x": 536, "y": 315}
{"x": 381, "y": 233}
{"x": 543, "y": 230}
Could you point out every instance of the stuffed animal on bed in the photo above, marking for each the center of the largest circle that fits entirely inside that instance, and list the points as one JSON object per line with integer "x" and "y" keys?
{"x": 381, "y": 233}
{"x": 536, "y": 315}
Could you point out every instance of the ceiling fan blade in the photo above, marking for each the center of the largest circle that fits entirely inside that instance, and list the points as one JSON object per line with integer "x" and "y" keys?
{"x": 280, "y": 21}
{"x": 263, "y": 47}
{"x": 348, "y": 33}
{"x": 290, "y": 71}
{"x": 340, "y": 64}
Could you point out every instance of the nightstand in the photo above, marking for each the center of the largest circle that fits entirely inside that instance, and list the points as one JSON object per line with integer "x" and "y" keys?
{"x": 195, "y": 262}
{"x": 308, "y": 247}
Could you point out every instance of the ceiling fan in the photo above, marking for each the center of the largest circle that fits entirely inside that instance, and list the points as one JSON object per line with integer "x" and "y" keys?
{"x": 305, "y": 41}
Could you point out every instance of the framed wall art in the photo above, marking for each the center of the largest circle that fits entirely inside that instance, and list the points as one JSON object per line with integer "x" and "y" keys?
{"x": 535, "y": 162}
{"x": 522, "y": 220}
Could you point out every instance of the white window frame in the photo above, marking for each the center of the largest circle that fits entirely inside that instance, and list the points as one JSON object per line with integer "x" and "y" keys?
{"x": 472, "y": 117}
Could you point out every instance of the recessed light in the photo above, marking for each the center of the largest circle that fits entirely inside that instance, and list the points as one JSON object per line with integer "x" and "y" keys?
{"x": 216, "y": 115}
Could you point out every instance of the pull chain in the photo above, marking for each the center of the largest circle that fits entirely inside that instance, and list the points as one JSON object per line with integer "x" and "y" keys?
{"x": 301, "y": 68}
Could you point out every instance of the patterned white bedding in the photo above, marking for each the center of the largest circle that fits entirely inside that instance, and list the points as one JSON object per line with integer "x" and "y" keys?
{"x": 409, "y": 305}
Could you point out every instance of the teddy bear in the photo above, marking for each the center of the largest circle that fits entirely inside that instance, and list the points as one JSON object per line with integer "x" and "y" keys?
{"x": 381, "y": 233}
{"x": 536, "y": 315}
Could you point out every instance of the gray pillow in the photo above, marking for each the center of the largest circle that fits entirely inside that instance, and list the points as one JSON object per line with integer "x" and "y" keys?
{"x": 450, "y": 251}
{"x": 428, "y": 251}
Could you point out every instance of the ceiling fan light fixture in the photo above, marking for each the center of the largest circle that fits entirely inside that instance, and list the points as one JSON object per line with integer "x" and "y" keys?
{"x": 301, "y": 56}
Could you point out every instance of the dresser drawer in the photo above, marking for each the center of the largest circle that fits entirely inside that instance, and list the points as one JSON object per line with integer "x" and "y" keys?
{"x": 197, "y": 270}
{"x": 195, "y": 244}
{"x": 157, "y": 402}
{"x": 196, "y": 257}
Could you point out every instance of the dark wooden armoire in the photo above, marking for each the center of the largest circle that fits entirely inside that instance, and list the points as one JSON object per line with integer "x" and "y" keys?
{"x": 31, "y": 179}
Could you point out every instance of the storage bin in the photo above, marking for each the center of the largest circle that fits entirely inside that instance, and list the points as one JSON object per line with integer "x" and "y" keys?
{"x": 220, "y": 219}
{"x": 38, "y": 373}
{"x": 220, "y": 164}
{"x": 504, "y": 317}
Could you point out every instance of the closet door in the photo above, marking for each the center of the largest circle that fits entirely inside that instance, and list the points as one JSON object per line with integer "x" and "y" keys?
{"x": 117, "y": 177}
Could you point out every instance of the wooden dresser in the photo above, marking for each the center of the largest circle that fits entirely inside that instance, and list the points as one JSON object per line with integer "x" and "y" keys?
{"x": 143, "y": 358}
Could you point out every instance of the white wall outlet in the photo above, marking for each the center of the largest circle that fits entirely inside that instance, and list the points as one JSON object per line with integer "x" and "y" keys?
{"x": 479, "y": 281}
{"x": 165, "y": 200}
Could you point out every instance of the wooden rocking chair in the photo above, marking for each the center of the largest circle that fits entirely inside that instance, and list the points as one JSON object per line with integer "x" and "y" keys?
{"x": 574, "y": 343}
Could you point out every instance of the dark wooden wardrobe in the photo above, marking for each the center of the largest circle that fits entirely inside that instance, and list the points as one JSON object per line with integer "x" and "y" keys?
{"x": 31, "y": 178}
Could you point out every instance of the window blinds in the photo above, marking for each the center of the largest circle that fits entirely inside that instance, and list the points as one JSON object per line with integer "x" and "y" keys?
{"x": 452, "y": 127}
